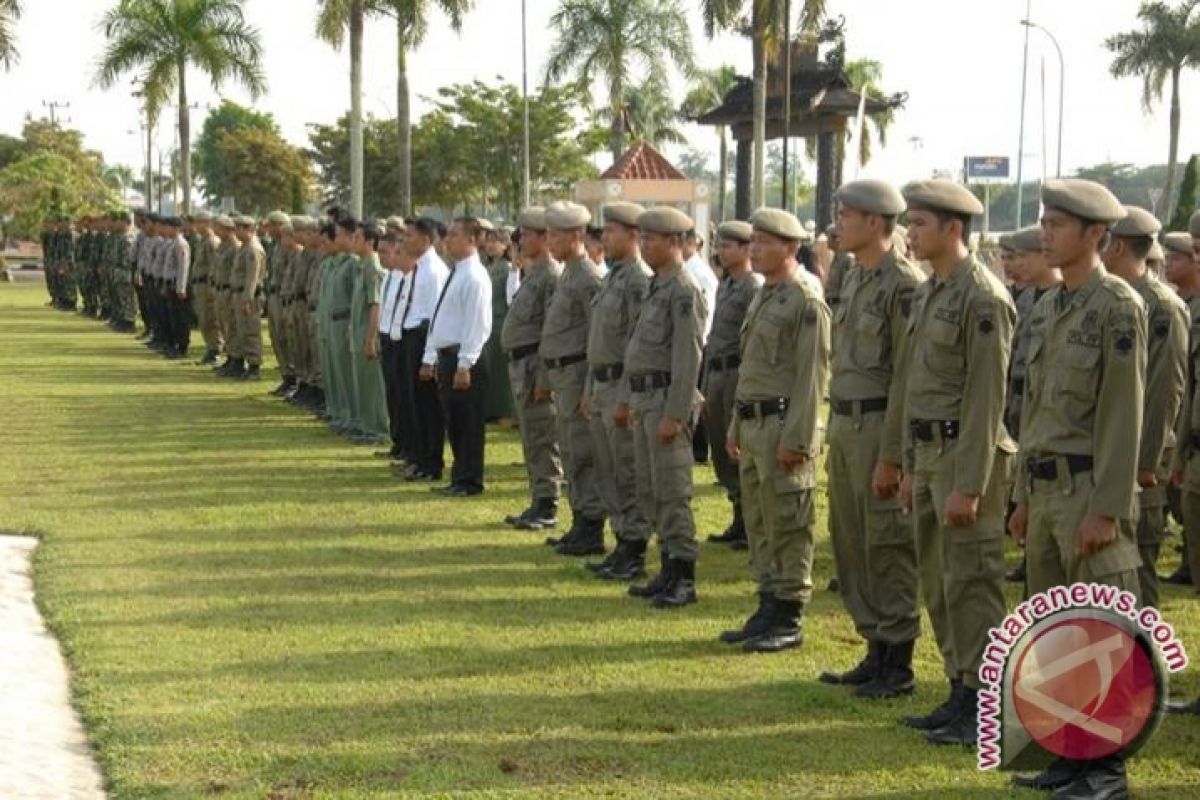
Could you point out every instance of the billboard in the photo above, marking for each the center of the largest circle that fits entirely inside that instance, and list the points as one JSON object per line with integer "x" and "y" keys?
{"x": 986, "y": 168}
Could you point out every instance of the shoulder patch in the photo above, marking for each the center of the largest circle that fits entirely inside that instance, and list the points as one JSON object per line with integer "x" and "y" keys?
{"x": 905, "y": 296}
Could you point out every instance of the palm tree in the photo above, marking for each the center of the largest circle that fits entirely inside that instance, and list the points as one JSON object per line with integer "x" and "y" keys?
{"x": 10, "y": 12}
{"x": 412, "y": 23}
{"x": 1167, "y": 43}
{"x": 163, "y": 38}
{"x": 765, "y": 29}
{"x": 335, "y": 17}
{"x": 648, "y": 115}
{"x": 606, "y": 39}
{"x": 707, "y": 91}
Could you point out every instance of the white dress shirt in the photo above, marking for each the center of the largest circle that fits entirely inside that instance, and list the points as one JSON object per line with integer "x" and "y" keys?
{"x": 179, "y": 258}
{"x": 419, "y": 294}
{"x": 387, "y": 308}
{"x": 512, "y": 284}
{"x": 707, "y": 279}
{"x": 463, "y": 315}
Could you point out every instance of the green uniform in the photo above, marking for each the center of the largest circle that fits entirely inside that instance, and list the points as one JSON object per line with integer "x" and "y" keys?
{"x": 662, "y": 371}
{"x": 339, "y": 292}
{"x": 872, "y": 539}
{"x": 295, "y": 312}
{"x": 227, "y": 254}
{"x": 842, "y": 261}
{"x": 122, "y": 266}
{"x": 960, "y": 339}
{"x": 780, "y": 390}
{"x": 246, "y": 296}
{"x": 272, "y": 283}
{"x": 520, "y": 337}
{"x": 204, "y": 292}
{"x": 563, "y": 352}
{"x": 616, "y": 308}
{"x": 498, "y": 397}
{"x": 370, "y": 400}
{"x": 312, "y": 294}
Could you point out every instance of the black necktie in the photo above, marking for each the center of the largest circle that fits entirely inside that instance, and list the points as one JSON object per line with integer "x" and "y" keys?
{"x": 442, "y": 297}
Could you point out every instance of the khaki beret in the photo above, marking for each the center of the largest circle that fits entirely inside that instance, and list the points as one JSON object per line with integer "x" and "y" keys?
{"x": 244, "y": 221}
{"x": 223, "y": 221}
{"x": 735, "y": 230}
{"x": 622, "y": 213}
{"x": 871, "y": 196}
{"x": 778, "y": 222}
{"x": 665, "y": 220}
{"x": 303, "y": 223}
{"x": 1027, "y": 240}
{"x": 1082, "y": 198}
{"x": 1156, "y": 253}
{"x": 485, "y": 224}
{"x": 202, "y": 216}
{"x": 942, "y": 195}
{"x": 396, "y": 223}
{"x": 1136, "y": 222}
{"x": 533, "y": 218}
{"x": 1194, "y": 225}
{"x": 566, "y": 216}
{"x": 1178, "y": 242}
{"x": 278, "y": 218}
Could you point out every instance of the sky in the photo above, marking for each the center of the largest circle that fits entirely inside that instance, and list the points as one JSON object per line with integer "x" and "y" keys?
{"x": 959, "y": 61}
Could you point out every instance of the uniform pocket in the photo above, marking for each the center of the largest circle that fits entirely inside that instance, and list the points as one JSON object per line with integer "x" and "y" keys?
{"x": 1080, "y": 375}
{"x": 942, "y": 352}
{"x": 870, "y": 341}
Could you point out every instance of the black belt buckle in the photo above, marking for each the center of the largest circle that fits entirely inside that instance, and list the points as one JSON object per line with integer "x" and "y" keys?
{"x": 565, "y": 361}
{"x": 1042, "y": 469}
{"x": 608, "y": 372}
{"x": 648, "y": 381}
{"x": 724, "y": 363}
{"x": 517, "y": 353}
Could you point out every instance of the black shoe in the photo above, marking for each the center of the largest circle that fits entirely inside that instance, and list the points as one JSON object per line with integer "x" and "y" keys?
{"x": 596, "y": 567}
{"x": 455, "y": 490}
{"x": 681, "y": 589}
{"x": 251, "y": 373}
{"x": 963, "y": 729}
{"x": 1016, "y": 574}
{"x": 755, "y": 625}
{"x": 784, "y": 631}
{"x": 286, "y": 384}
{"x": 895, "y": 675}
{"x": 416, "y": 475}
{"x": 209, "y": 357}
{"x": 1102, "y": 779}
{"x": 237, "y": 368}
{"x": 940, "y": 715}
{"x": 566, "y": 539}
{"x": 862, "y": 673}
{"x": 542, "y": 514}
{"x": 1180, "y": 577}
{"x": 628, "y": 562}
{"x": 173, "y": 354}
{"x": 657, "y": 583}
{"x": 1061, "y": 772}
{"x": 1181, "y": 707}
{"x": 589, "y": 541}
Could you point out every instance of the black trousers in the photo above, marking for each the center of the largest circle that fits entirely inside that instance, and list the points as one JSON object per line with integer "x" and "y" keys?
{"x": 463, "y": 411}
{"x": 421, "y": 407}
{"x": 179, "y": 313}
{"x": 141, "y": 303}
{"x": 390, "y": 362}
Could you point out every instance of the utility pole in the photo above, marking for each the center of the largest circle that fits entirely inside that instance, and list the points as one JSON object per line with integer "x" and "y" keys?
{"x": 786, "y": 198}
{"x": 525, "y": 98}
{"x": 1021, "y": 143}
{"x": 54, "y": 105}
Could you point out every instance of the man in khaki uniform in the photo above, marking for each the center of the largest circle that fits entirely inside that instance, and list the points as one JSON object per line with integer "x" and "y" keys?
{"x": 841, "y": 263}
{"x": 959, "y": 457}
{"x": 775, "y": 432}
{"x": 563, "y": 352}
{"x": 617, "y": 306}
{"x": 204, "y": 286}
{"x": 1076, "y": 489}
{"x": 278, "y": 225}
{"x": 1167, "y": 325}
{"x": 722, "y": 356}
{"x": 246, "y": 296}
{"x": 296, "y": 315}
{"x": 520, "y": 338}
{"x": 226, "y": 257}
{"x": 661, "y": 372}
{"x": 872, "y": 539}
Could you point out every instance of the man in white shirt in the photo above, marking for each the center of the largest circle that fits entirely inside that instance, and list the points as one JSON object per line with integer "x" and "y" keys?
{"x": 707, "y": 279}
{"x": 176, "y": 263}
{"x": 424, "y": 276}
{"x": 391, "y": 253}
{"x": 459, "y": 328}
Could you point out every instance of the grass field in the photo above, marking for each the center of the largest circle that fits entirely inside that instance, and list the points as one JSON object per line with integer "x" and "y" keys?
{"x": 255, "y": 609}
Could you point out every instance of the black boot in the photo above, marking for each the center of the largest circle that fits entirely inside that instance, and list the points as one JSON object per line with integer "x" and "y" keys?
{"x": 895, "y": 676}
{"x": 571, "y": 535}
{"x": 783, "y": 632}
{"x": 1102, "y": 779}
{"x": 681, "y": 589}
{"x": 657, "y": 583}
{"x": 940, "y": 715}
{"x": 1061, "y": 772}
{"x": 588, "y": 542}
{"x": 964, "y": 728}
{"x": 628, "y": 563}
{"x": 237, "y": 368}
{"x": 1016, "y": 574}
{"x": 250, "y": 373}
{"x": 283, "y": 386}
{"x": 736, "y": 532}
{"x": 755, "y": 625}
{"x": 596, "y": 567}
{"x": 210, "y": 357}
{"x": 542, "y": 514}
{"x": 1180, "y": 577}
{"x": 863, "y": 672}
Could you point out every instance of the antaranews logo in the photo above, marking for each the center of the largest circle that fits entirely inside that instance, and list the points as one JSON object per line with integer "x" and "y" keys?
{"x": 1077, "y": 672}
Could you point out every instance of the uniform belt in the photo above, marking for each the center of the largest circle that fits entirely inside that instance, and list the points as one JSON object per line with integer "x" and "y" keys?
{"x": 928, "y": 430}
{"x": 338, "y": 316}
{"x": 517, "y": 353}
{"x": 448, "y": 352}
{"x": 1018, "y": 386}
{"x": 649, "y": 381}
{"x": 724, "y": 363}
{"x": 846, "y": 408}
{"x": 1046, "y": 467}
{"x": 757, "y": 409}
{"x": 300, "y": 296}
{"x": 565, "y": 361}
{"x": 224, "y": 287}
{"x": 608, "y": 372}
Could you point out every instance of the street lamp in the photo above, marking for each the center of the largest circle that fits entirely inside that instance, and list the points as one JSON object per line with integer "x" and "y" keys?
{"x": 1062, "y": 87}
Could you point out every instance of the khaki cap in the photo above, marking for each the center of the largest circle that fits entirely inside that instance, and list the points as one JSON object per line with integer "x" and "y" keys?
{"x": 244, "y": 221}
{"x": 485, "y": 224}
{"x": 736, "y": 231}
{"x": 778, "y": 222}
{"x": 1082, "y": 198}
{"x": 1137, "y": 222}
{"x": 1027, "y": 240}
{"x": 1156, "y": 253}
{"x": 201, "y": 216}
{"x": 1194, "y": 225}
{"x": 1178, "y": 242}
{"x": 942, "y": 195}
{"x": 223, "y": 221}
{"x": 396, "y": 223}
{"x": 665, "y": 220}
{"x": 533, "y": 218}
{"x": 872, "y": 196}
{"x": 303, "y": 223}
{"x": 622, "y": 213}
{"x": 563, "y": 215}
{"x": 278, "y": 218}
